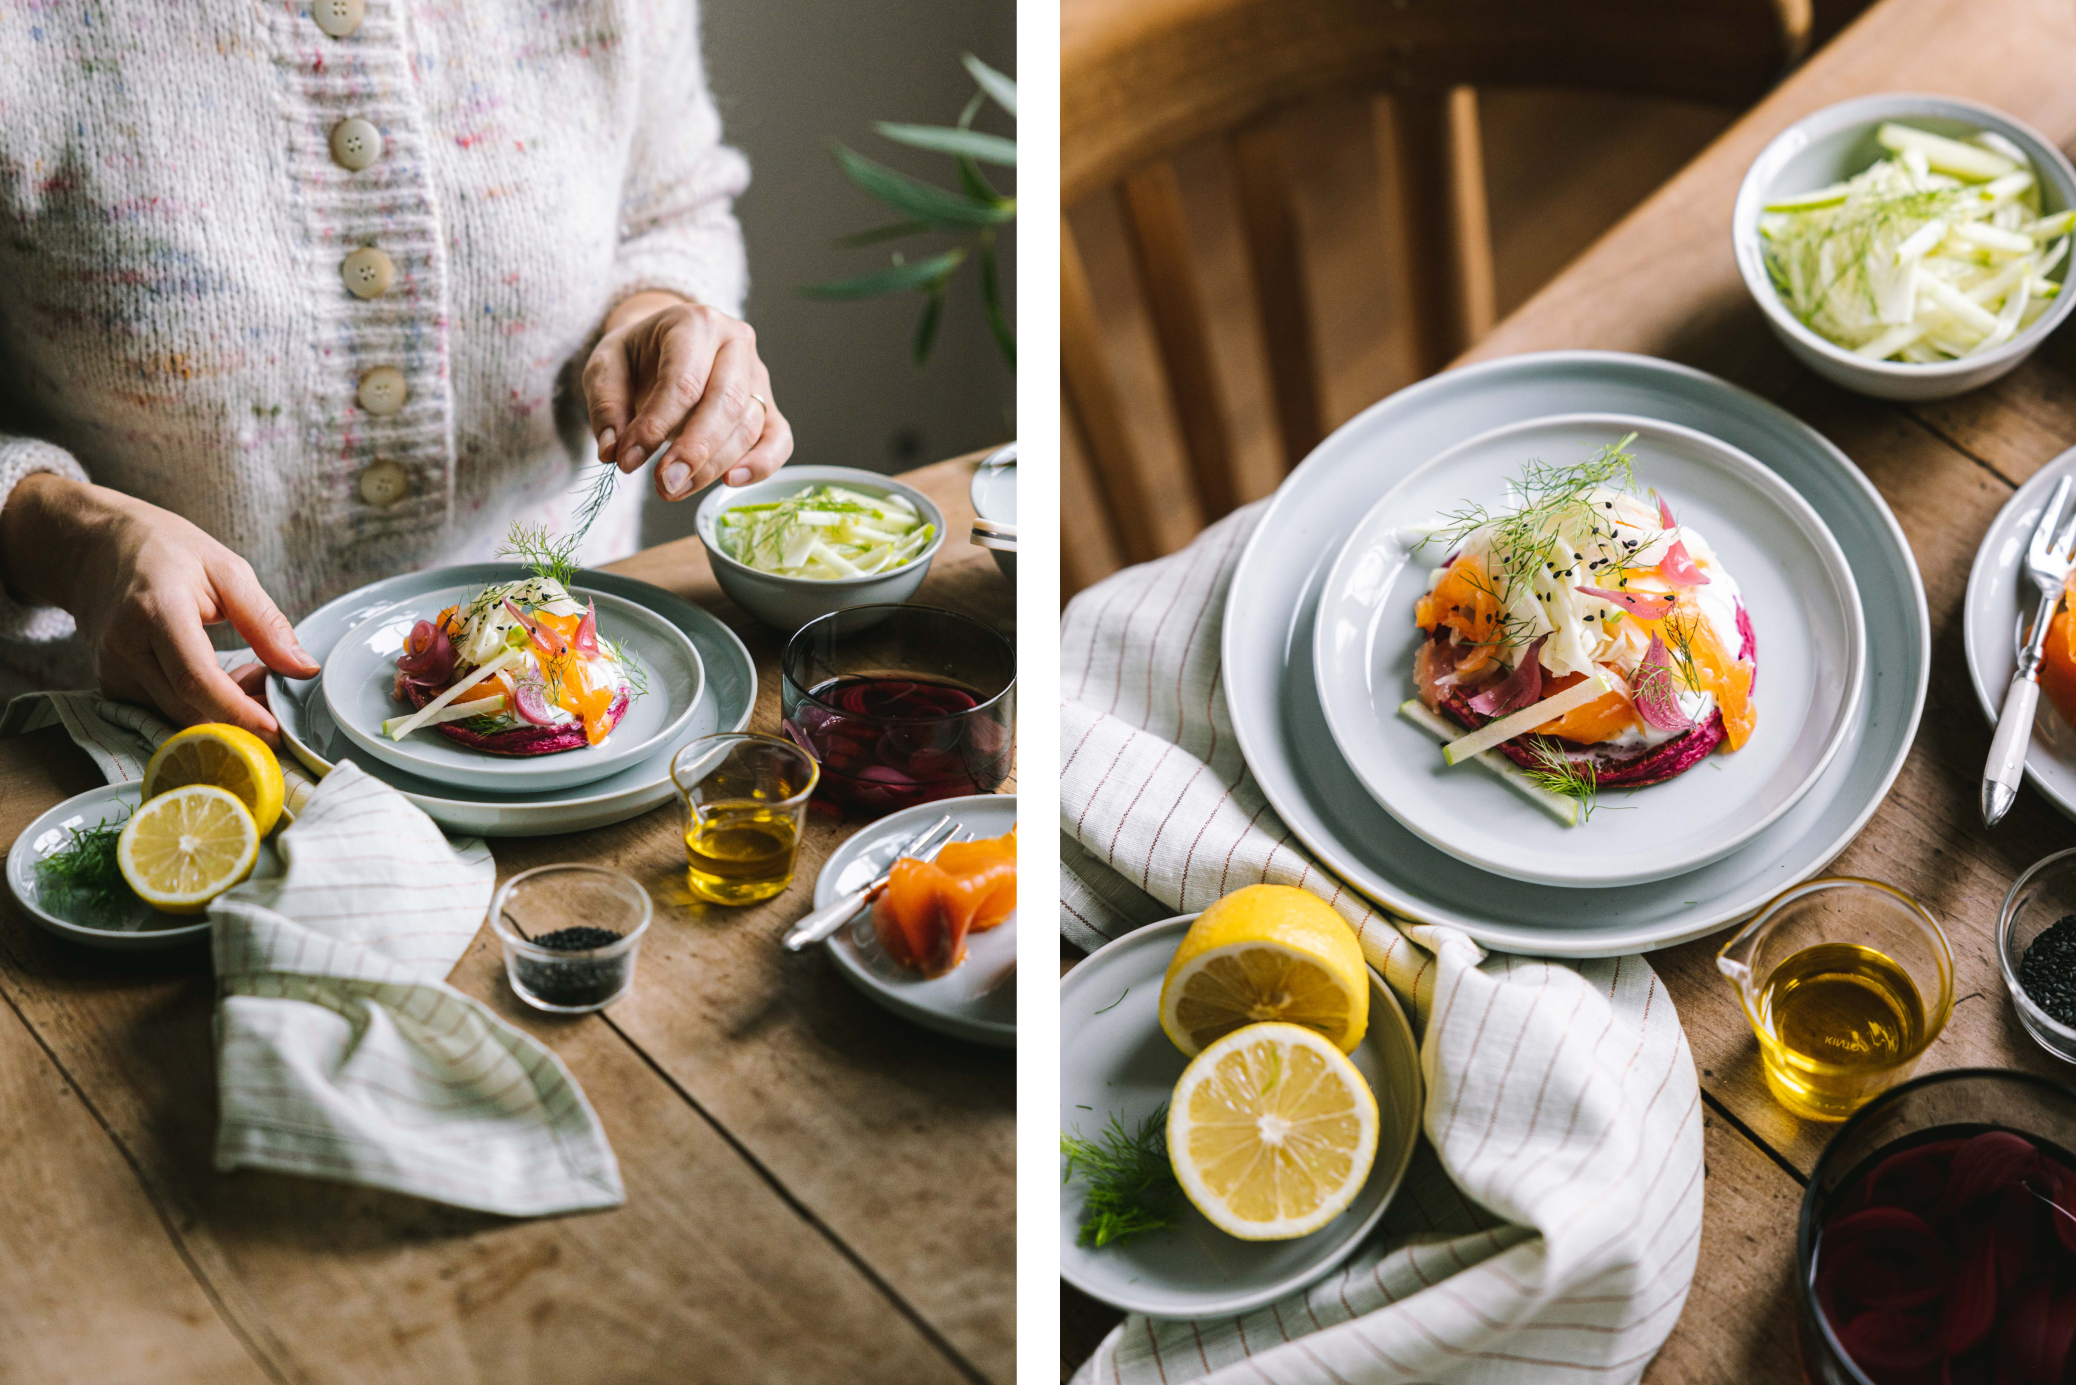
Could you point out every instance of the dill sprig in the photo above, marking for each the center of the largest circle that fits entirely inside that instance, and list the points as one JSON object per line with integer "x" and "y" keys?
{"x": 549, "y": 558}
{"x": 1557, "y": 773}
{"x": 1554, "y": 506}
{"x": 630, "y": 667}
{"x": 598, "y": 490}
{"x": 1679, "y": 639}
{"x": 1131, "y": 1185}
{"x": 85, "y": 874}
{"x": 1869, "y": 218}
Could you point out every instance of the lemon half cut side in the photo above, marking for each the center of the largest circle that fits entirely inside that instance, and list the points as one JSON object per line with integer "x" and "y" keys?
{"x": 1272, "y": 1132}
{"x": 185, "y": 847}
{"x": 1261, "y": 954}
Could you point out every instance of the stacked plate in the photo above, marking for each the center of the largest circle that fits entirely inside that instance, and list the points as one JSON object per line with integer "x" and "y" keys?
{"x": 700, "y": 681}
{"x": 1319, "y": 641}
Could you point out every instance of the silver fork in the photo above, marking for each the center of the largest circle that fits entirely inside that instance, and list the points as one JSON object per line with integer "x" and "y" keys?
{"x": 824, "y": 922}
{"x": 2048, "y": 561}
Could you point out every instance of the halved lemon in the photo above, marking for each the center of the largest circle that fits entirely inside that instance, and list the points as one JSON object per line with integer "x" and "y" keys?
{"x": 187, "y": 846}
{"x": 1268, "y": 952}
{"x": 1272, "y": 1132}
{"x": 230, "y": 757}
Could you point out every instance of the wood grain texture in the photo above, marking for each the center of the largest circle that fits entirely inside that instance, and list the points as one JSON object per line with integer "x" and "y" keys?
{"x": 1269, "y": 220}
{"x": 771, "y": 1234}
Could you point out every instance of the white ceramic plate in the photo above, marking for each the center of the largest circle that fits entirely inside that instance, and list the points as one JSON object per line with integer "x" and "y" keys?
{"x": 1270, "y": 692}
{"x": 360, "y": 675}
{"x": 1115, "y": 1059}
{"x": 994, "y": 497}
{"x": 307, "y": 729}
{"x": 975, "y": 1000}
{"x": 1797, "y": 589}
{"x": 134, "y": 926}
{"x": 1999, "y": 602}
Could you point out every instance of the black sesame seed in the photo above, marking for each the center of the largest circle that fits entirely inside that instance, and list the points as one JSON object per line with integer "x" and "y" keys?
{"x": 2048, "y": 970}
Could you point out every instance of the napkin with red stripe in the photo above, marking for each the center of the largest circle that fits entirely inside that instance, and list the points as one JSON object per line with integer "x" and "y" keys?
{"x": 1550, "y": 1223}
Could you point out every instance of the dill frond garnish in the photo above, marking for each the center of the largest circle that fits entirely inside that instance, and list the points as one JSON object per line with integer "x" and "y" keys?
{"x": 549, "y": 558}
{"x": 1557, "y": 773}
{"x": 630, "y": 667}
{"x": 1679, "y": 639}
{"x": 84, "y": 874}
{"x": 1131, "y": 1185}
{"x": 598, "y": 490}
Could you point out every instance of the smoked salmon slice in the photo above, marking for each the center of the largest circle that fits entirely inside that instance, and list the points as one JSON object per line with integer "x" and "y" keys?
{"x": 928, "y": 907}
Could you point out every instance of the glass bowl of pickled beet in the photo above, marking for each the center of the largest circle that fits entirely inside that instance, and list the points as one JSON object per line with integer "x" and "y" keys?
{"x": 900, "y": 705}
{"x": 1938, "y": 1236}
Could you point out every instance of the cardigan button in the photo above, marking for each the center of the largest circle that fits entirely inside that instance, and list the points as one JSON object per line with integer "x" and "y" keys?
{"x": 383, "y": 483}
{"x": 382, "y": 390}
{"x": 355, "y": 144}
{"x": 338, "y": 17}
{"x": 368, "y": 272}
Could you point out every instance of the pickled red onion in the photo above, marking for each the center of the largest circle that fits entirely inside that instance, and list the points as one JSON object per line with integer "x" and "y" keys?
{"x": 1521, "y": 688}
{"x": 1657, "y": 702}
{"x": 428, "y": 654}
{"x": 530, "y": 701}
{"x": 586, "y": 638}
{"x": 1677, "y": 567}
{"x": 1649, "y": 605}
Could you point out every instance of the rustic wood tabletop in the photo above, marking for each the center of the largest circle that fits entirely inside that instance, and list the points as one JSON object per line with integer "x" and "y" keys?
{"x": 1663, "y": 283}
{"x": 816, "y": 1189}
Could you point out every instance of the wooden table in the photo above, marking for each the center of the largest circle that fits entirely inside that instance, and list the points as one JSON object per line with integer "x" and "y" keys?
{"x": 1662, "y": 283}
{"x": 816, "y": 1190}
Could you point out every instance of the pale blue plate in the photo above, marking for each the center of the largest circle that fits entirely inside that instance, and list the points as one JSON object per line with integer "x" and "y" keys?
{"x": 1796, "y": 587}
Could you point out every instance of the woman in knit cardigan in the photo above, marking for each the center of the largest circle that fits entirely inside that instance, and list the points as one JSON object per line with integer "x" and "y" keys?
{"x": 299, "y": 294}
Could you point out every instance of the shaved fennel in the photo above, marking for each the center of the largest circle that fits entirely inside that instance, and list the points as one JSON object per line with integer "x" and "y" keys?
{"x": 826, "y": 533}
{"x": 1936, "y": 252}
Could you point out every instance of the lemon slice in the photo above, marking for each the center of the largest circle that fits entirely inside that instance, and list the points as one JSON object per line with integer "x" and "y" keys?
{"x": 186, "y": 847}
{"x": 230, "y": 757}
{"x": 1272, "y": 1132}
{"x": 1268, "y": 952}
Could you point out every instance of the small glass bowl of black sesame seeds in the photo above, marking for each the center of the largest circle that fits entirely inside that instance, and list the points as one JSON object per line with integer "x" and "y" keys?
{"x": 570, "y": 935}
{"x": 2036, "y": 950}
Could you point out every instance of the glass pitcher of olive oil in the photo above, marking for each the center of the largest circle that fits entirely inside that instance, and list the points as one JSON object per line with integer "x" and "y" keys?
{"x": 1846, "y": 982}
{"x": 745, "y": 798}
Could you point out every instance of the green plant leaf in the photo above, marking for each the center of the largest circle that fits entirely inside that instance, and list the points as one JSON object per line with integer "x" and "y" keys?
{"x": 926, "y": 329}
{"x": 946, "y": 139}
{"x": 918, "y": 199}
{"x": 877, "y": 234}
{"x": 1003, "y": 89}
{"x": 975, "y": 183}
{"x": 991, "y": 296}
{"x": 901, "y": 278}
{"x": 972, "y": 109}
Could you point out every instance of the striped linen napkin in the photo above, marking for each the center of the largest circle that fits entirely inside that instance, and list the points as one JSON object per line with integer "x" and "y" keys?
{"x": 1550, "y": 1223}
{"x": 341, "y": 1051}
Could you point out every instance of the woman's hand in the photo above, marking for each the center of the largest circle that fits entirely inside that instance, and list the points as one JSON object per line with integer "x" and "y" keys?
{"x": 142, "y": 583}
{"x": 669, "y": 371}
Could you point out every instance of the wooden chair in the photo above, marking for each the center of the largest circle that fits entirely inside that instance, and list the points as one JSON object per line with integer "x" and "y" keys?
{"x": 1142, "y": 79}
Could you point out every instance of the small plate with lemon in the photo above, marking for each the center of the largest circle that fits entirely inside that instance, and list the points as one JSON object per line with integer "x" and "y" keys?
{"x": 1251, "y": 1052}
{"x": 133, "y": 867}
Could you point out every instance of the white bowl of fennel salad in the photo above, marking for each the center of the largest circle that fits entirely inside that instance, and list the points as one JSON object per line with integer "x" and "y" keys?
{"x": 816, "y": 539}
{"x": 1908, "y": 246}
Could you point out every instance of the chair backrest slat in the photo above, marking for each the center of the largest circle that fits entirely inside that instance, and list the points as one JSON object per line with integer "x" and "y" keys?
{"x": 1275, "y": 253}
{"x": 1097, "y": 411}
{"x": 1158, "y": 230}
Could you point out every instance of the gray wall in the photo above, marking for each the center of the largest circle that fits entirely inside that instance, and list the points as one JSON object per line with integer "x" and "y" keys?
{"x": 790, "y": 76}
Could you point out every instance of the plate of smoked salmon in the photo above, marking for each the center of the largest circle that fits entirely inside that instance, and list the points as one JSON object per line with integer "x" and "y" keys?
{"x": 938, "y": 946}
{"x": 1998, "y": 607}
{"x": 1565, "y": 618}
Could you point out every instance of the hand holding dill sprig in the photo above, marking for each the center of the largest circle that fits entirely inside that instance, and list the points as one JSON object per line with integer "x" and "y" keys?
{"x": 1131, "y": 1188}
{"x": 679, "y": 383}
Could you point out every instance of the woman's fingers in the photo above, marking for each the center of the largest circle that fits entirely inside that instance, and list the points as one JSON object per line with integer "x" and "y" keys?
{"x": 684, "y": 361}
{"x": 774, "y": 445}
{"x": 253, "y": 614}
{"x": 200, "y": 687}
{"x": 723, "y": 425}
{"x": 609, "y": 397}
{"x": 252, "y": 679}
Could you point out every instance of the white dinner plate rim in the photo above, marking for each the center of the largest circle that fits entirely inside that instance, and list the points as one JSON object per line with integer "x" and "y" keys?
{"x": 504, "y": 769}
{"x": 1745, "y": 468}
{"x": 1354, "y": 1234}
{"x": 844, "y": 954}
{"x": 1253, "y": 727}
{"x": 1984, "y": 571}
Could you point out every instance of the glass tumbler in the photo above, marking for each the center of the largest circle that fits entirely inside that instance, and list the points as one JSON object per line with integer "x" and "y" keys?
{"x": 745, "y": 798}
{"x": 570, "y": 935}
{"x": 1846, "y": 982}
{"x": 901, "y": 705}
{"x": 2037, "y": 900}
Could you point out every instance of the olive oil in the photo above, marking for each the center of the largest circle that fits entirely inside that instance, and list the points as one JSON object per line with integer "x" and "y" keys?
{"x": 740, "y": 854}
{"x": 1836, "y": 1019}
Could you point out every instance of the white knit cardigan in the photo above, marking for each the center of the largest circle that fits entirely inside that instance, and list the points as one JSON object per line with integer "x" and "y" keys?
{"x": 173, "y": 320}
